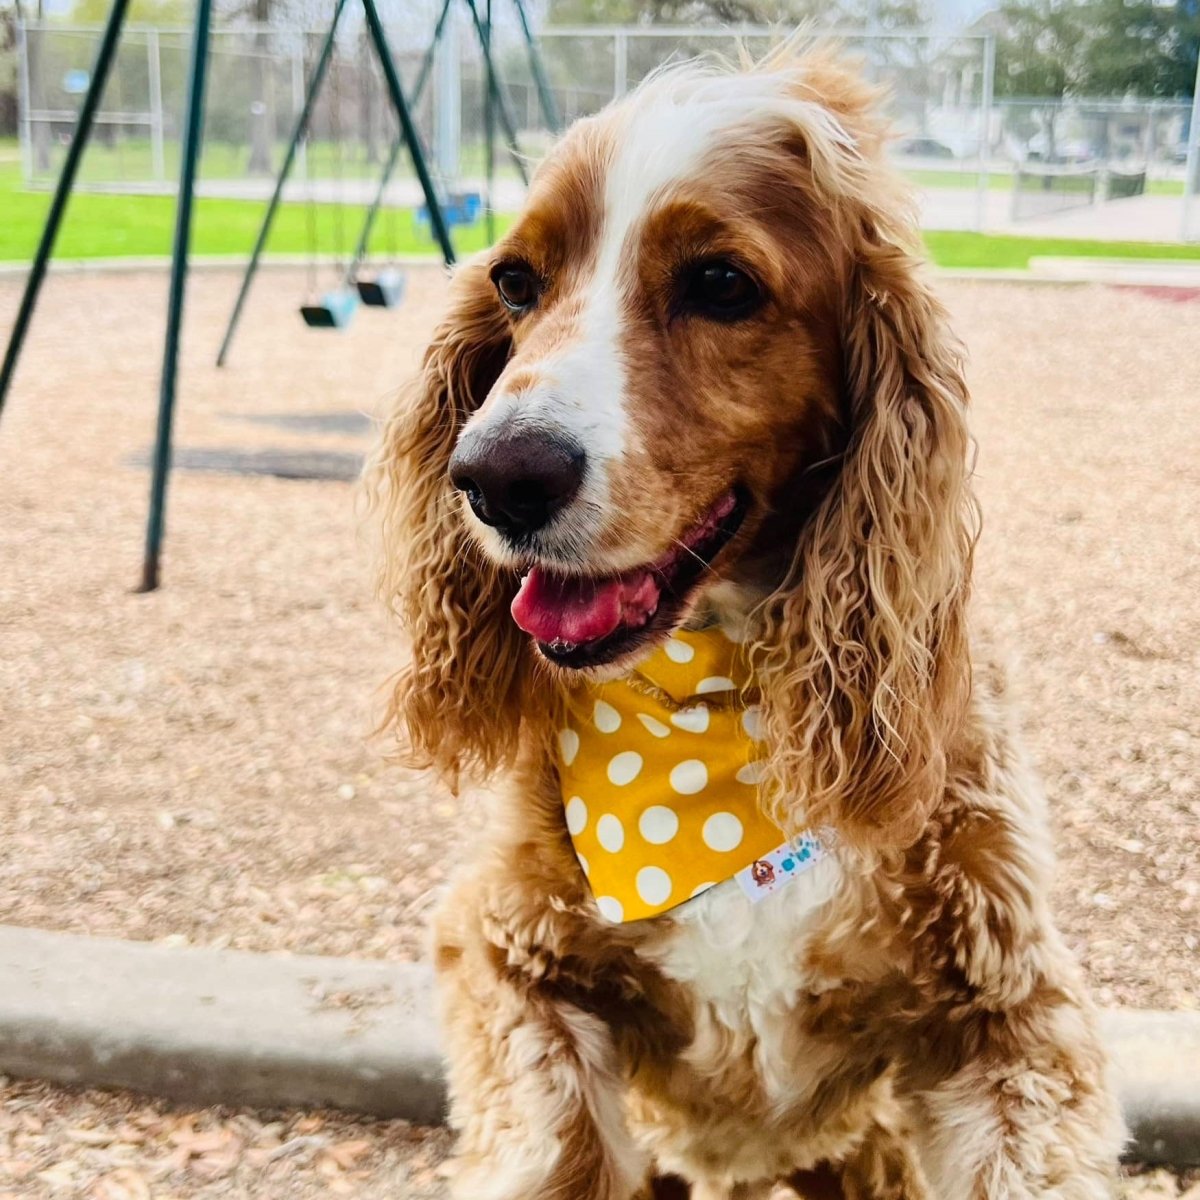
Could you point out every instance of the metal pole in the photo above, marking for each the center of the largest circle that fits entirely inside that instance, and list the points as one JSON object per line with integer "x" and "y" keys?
{"x": 545, "y": 92}
{"x": 154, "y": 62}
{"x": 193, "y": 132}
{"x": 1191, "y": 182}
{"x": 985, "y": 136}
{"x": 447, "y": 104}
{"x": 489, "y": 136}
{"x": 364, "y": 238}
{"x": 620, "y": 64}
{"x": 62, "y": 192}
{"x": 298, "y": 101}
{"x": 436, "y": 218}
{"x": 26, "y": 105}
{"x": 310, "y": 97}
{"x": 427, "y": 62}
{"x": 506, "y": 121}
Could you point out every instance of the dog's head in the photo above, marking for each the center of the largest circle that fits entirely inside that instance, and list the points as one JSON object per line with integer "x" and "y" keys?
{"x": 700, "y": 364}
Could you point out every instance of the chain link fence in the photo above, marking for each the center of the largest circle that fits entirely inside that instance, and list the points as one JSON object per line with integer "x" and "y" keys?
{"x": 973, "y": 157}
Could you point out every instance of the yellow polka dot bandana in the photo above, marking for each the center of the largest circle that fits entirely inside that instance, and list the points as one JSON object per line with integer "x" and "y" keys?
{"x": 659, "y": 775}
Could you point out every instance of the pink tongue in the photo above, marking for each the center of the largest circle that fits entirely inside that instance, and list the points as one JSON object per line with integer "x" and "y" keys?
{"x": 552, "y": 608}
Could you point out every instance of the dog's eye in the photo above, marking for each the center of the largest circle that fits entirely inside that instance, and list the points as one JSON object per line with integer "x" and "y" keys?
{"x": 719, "y": 290}
{"x": 517, "y": 285}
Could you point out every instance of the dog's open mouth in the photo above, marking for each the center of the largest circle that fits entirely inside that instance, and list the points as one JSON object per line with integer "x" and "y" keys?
{"x": 583, "y": 621}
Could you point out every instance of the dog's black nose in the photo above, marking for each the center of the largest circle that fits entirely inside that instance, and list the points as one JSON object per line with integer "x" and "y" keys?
{"x": 517, "y": 481}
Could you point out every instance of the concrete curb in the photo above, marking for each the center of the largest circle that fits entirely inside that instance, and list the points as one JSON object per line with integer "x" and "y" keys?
{"x": 222, "y": 1026}
{"x": 218, "y": 1026}
{"x": 1156, "y": 1056}
{"x": 1130, "y": 272}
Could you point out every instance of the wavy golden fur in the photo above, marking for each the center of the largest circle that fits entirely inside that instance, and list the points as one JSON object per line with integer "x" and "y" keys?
{"x": 917, "y": 1029}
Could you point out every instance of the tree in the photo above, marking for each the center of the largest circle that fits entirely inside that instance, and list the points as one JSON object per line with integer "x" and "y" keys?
{"x": 1057, "y": 48}
{"x": 1141, "y": 48}
{"x": 8, "y": 70}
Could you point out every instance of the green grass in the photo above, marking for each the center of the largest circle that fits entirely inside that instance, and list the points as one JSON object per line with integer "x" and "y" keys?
{"x": 104, "y": 226}
{"x": 107, "y": 226}
{"x": 954, "y": 249}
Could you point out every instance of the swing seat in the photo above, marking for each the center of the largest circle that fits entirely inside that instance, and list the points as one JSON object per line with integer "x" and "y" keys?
{"x": 384, "y": 289}
{"x": 458, "y": 208}
{"x": 332, "y": 311}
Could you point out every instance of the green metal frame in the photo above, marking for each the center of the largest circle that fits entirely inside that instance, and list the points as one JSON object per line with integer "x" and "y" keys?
{"x": 192, "y": 137}
{"x": 537, "y": 68}
{"x": 497, "y": 96}
{"x": 408, "y": 136}
{"x": 168, "y": 382}
{"x": 364, "y": 238}
{"x": 197, "y": 78}
{"x": 549, "y": 108}
{"x": 298, "y": 131}
{"x": 62, "y": 192}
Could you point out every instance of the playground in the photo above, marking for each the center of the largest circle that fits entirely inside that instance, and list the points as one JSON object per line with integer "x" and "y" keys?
{"x": 188, "y": 753}
{"x": 202, "y": 756}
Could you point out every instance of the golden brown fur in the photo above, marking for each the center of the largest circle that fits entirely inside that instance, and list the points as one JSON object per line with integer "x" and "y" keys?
{"x": 918, "y": 1032}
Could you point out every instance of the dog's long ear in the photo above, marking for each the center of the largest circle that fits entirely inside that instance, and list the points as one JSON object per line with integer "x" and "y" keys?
{"x": 865, "y": 666}
{"x": 458, "y": 703}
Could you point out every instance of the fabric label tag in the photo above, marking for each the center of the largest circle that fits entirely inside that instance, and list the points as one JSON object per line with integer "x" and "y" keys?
{"x": 776, "y": 870}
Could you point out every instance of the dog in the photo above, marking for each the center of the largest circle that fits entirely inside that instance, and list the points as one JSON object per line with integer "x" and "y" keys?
{"x": 700, "y": 400}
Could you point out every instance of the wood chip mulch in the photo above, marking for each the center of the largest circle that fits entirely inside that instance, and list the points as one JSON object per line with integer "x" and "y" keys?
{"x": 196, "y": 766}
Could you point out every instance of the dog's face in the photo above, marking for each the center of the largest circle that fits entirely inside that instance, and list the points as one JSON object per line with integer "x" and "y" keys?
{"x": 673, "y": 292}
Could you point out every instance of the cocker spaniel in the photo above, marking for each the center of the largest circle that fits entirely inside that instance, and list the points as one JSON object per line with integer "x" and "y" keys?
{"x": 678, "y": 521}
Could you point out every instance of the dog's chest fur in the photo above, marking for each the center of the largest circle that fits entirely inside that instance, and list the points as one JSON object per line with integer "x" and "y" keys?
{"x": 749, "y": 1074}
{"x": 743, "y": 965}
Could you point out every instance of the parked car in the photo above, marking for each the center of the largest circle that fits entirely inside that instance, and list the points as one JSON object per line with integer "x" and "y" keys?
{"x": 925, "y": 147}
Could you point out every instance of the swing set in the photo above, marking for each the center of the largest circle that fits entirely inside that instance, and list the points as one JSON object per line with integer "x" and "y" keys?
{"x": 380, "y": 285}
{"x": 384, "y": 288}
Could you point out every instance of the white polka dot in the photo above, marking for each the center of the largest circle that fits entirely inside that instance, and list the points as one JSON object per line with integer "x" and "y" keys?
{"x": 658, "y": 824}
{"x": 623, "y": 768}
{"x": 657, "y": 728}
{"x": 610, "y": 909}
{"x": 702, "y": 888}
{"x": 568, "y": 745}
{"x": 583, "y": 862}
{"x": 607, "y": 719}
{"x": 653, "y": 885}
{"x": 679, "y": 652}
{"x": 689, "y": 777}
{"x": 714, "y": 683}
{"x": 722, "y": 831}
{"x": 576, "y": 812}
{"x": 752, "y": 772}
{"x": 610, "y": 833}
{"x": 752, "y": 722}
{"x": 694, "y": 719}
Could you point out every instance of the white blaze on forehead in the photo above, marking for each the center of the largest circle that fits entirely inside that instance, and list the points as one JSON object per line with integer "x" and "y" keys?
{"x": 661, "y": 136}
